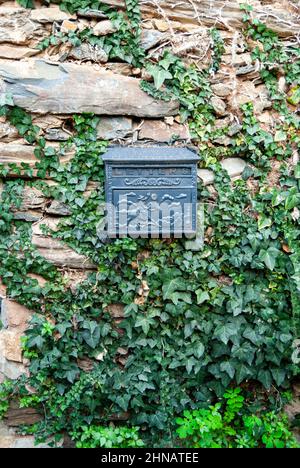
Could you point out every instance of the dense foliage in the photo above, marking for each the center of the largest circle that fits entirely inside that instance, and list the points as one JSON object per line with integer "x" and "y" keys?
{"x": 229, "y": 425}
{"x": 195, "y": 322}
{"x": 108, "y": 437}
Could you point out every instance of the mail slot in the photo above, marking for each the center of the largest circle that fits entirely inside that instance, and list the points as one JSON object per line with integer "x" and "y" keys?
{"x": 151, "y": 192}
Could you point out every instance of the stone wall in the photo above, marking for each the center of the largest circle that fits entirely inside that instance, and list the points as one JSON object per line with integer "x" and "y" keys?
{"x": 63, "y": 80}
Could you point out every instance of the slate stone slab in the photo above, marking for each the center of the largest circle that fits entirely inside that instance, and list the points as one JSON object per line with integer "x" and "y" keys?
{"x": 48, "y": 87}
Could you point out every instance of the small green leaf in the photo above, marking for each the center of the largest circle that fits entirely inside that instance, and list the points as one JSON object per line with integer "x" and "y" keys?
{"x": 225, "y": 332}
{"x": 228, "y": 368}
{"x": 264, "y": 222}
{"x": 269, "y": 257}
{"x": 160, "y": 75}
{"x": 202, "y": 296}
{"x": 280, "y": 135}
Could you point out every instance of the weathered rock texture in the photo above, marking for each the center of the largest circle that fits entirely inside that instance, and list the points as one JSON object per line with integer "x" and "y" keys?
{"x": 281, "y": 15}
{"x": 43, "y": 87}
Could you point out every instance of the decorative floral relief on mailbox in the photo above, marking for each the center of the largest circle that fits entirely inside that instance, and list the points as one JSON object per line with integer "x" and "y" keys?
{"x": 151, "y": 192}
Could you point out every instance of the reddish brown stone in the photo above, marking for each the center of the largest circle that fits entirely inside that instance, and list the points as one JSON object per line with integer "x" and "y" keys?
{"x": 15, "y": 315}
{"x": 160, "y": 131}
{"x": 116, "y": 310}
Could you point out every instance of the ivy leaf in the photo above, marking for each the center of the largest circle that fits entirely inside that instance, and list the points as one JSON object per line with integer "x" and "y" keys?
{"x": 170, "y": 291}
{"x": 224, "y": 332}
{"x": 91, "y": 335}
{"x": 280, "y": 135}
{"x": 264, "y": 222}
{"x": 269, "y": 257}
{"x": 160, "y": 75}
{"x": 278, "y": 375}
{"x": 202, "y": 296}
{"x": 145, "y": 323}
{"x": 190, "y": 363}
{"x": 228, "y": 368}
{"x": 72, "y": 374}
{"x": 292, "y": 200}
{"x": 158, "y": 420}
{"x": 181, "y": 296}
{"x": 6, "y": 99}
{"x": 37, "y": 341}
{"x": 264, "y": 376}
{"x": 123, "y": 401}
{"x": 242, "y": 372}
{"x": 252, "y": 336}
{"x": 199, "y": 349}
{"x": 168, "y": 60}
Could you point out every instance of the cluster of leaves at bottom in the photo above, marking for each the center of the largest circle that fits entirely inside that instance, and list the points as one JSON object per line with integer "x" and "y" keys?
{"x": 108, "y": 437}
{"x": 228, "y": 424}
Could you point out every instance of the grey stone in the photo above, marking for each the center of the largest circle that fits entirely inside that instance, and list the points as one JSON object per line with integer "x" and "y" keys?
{"x": 188, "y": 13}
{"x": 9, "y": 369}
{"x": 90, "y": 13}
{"x": 27, "y": 443}
{"x": 239, "y": 60}
{"x": 206, "y": 176}
{"x": 151, "y": 38}
{"x": 32, "y": 199}
{"x": 197, "y": 243}
{"x": 29, "y": 216}
{"x": 218, "y": 105}
{"x": 234, "y": 129}
{"x": 6, "y": 435}
{"x": 221, "y": 89}
{"x": 88, "y": 52}
{"x": 245, "y": 70}
{"x": 223, "y": 140}
{"x": 157, "y": 130}
{"x": 7, "y": 131}
{"x": 17, "y": 27}
{"x": 103, "y": 28}
{"x": 111, "y": 128}
{"x": 61, "y": 255}
{"x": 234, "y": 166}
{"x": 58, "y": 208}
{"x": 49, "y": 15}
{"x": 19, "y": 153}
{"x": 48, "y": 87}
{"x": 56, "y": 134}
{"x": 16, "y": 52}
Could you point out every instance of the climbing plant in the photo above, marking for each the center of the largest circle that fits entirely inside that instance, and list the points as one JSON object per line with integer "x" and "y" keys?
{"x": 226, "y": 314}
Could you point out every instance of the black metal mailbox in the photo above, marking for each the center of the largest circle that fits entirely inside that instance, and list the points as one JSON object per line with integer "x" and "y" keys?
{"x": 151, "y": 192}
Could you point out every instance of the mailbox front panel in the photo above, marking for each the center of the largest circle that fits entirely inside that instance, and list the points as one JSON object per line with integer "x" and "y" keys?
{"x": 151, "y": 199}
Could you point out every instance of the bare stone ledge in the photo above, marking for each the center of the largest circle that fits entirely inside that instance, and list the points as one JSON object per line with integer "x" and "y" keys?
{"x": 278, "y": 15}
{"x": 18, "y": 153}
{"x": 233, "y": 166}
{"x": 47, "y": 87}
{"x": 61, "y": 255}
{"x": 16, "y": 53}
{"x": 49, "y": 15}
{"x": 14, "y": 315}
{"x": 160, "y": 131}
{"x": 16, "y": 26}
{"x": 10, "y": 343}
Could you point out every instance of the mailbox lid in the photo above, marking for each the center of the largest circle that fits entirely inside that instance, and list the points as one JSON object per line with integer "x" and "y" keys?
{"x": 150, "y": 155}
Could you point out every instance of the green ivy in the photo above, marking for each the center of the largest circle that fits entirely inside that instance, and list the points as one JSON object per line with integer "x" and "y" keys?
{"x": 229, "y": 425}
